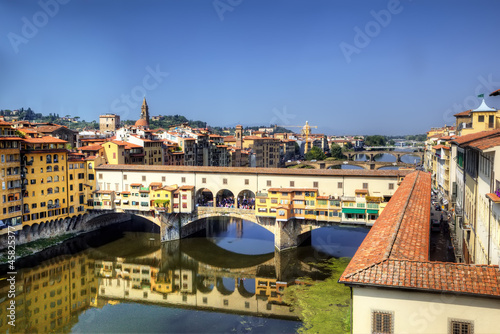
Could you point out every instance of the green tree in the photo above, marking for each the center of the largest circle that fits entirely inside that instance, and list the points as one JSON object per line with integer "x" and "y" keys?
{"x": 315, "y": 153}
{"x": 376, "y": 140}
{"x": 336, "y": 151}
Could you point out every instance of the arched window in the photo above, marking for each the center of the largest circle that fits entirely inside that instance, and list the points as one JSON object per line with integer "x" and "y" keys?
{"x": 49, "y": 179}
{"x": 56, "y": 190}
{"x": 90, "y": 165}
{"x": 50, "y": 204}
{"x": 56, "y": 202}
{"x": 56, "y": 168}
{"x": 56, "y": 178}
{"x": 49, "y": 169}
{"x": 49, "y": 191}
{"x": 56, "y": 158}
{"x": 49, "y": 159}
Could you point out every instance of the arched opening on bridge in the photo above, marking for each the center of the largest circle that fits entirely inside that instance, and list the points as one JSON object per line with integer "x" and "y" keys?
{"x": 246, "y": 199}
{"x": 226, "y": 285}
{"x": 205, "y": 197}
{"x": 204, "y": 284}
{"x": 225, "y": 198}
{"x": 246, "y": 287}
{"x": 385, "y": 157}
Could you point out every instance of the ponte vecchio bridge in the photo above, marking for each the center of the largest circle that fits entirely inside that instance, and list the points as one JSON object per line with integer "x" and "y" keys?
{"x": 184, "y": 217}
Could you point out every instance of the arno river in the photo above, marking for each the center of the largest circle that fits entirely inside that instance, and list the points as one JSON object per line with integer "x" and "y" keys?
{"x": 227, "y": 279}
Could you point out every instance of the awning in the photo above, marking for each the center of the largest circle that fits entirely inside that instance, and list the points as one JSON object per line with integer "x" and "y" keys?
{"x": 362, "y": 211}
{"x": 117, "y": 201}
{"x": 125, "y": 202}
{"x": 373, "y": 212}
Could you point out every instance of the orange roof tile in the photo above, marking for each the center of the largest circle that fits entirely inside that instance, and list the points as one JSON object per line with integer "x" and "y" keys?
{"x": 463, "y": 113}
{"x": 256, "y": 170}
{"x": 45, "y": 140}
{"x": 485, "y": 143}
{"x": 473, "y": 136}
{"x": 438, "y": 147}
{"x": 395, "y": 252}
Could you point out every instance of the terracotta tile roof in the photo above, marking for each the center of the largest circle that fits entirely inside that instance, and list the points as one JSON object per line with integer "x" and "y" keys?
{"x": 446, "y": 137}
{"x": 95, "y": 147}
{"x": 438, "y": 147}
{"x": 186, "y": 188}
{"x": 136, "y": 184}
{"x": 463, "y": 113}
{"x": 473, "y": 136}
{"x": 45, "y": 140}
{"x": 484, "y": 144}
{"x": 154, "y": 184}
{"x": 256, "y": 170}
{"x": 11, "y": 138}
{"x": 395, "y": 252}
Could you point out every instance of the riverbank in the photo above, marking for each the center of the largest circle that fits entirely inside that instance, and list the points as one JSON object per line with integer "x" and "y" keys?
{"x": 33, "y": 247}
{"x": 324, "y": 306}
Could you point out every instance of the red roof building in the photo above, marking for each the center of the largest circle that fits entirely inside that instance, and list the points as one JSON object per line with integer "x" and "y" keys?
{"x": 392, "y": 278}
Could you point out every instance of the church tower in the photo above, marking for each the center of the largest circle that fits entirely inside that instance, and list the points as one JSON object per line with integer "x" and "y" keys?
{"x": 144, "y": 120}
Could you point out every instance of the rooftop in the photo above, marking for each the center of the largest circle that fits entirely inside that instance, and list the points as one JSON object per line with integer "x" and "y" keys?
{"x": 395, "y": 253}
{"x": 474, "y": 136}
{"x": 261, "y": 171}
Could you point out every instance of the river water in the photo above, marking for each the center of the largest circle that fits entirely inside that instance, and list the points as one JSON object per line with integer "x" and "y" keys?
{"x": 409, "y": 159}
{"x": 121, "y": 279}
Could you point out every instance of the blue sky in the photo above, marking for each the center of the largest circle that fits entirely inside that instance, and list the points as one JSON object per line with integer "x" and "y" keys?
{"x": 350, "y": 67}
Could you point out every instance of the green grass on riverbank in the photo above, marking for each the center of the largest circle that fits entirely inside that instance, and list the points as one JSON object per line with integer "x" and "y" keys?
{"x": 35, "y": 246}
{"x": 324, "y": 306}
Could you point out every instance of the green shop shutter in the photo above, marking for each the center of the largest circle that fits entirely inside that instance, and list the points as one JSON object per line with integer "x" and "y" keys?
{"x": 359, "y": 211}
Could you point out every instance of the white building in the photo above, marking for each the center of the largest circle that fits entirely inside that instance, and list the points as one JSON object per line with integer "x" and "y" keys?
{"x": 397, "y": 289}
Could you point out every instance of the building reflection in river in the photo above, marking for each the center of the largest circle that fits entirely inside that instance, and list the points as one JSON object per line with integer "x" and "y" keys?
{"x": 52, "y": 295}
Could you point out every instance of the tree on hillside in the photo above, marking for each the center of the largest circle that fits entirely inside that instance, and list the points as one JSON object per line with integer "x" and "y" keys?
{"x": 336, "y": 151}
{"x": 315, "y": 153}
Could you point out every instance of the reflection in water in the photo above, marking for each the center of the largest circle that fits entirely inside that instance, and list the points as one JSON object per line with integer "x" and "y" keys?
{"x": 119, "y": 285}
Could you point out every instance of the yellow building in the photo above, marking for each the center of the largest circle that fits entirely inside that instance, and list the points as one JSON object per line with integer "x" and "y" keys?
{"x": 480, "y": 119}
{"x": 118, "y": 152}
{"x": 299, "y": 203}
{"x": 45, "y": 186}
{"x": 10, "y": 178}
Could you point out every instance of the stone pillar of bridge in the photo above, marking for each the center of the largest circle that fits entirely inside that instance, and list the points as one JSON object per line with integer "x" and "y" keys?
{"x": 286, "y": 234}
{"x": 286, "y": 263}
{"x": 372, "y": 157}
{"x": 398, "y": 157}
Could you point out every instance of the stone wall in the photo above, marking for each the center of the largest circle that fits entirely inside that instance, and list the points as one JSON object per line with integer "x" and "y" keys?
{"x": 87, "y": 222}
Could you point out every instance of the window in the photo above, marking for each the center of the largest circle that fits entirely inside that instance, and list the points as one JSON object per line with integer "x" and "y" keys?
{"x": 163, "y": 179}
{"x": 100, "y": 176}
{"x": 247, "y": 182}
{"x": 382, "y": 322}
{"x": 268, "y": 183}
{"x": 365, "y": 185}
{"x": 461, "y": 327}
{"x": 339, "y": 185}
{"x": 224, "y": 181}
{"x": 144, "y": 178}
{"x": 204, "y": 180}
{"x": 315, "y": 184}
{"x": 480, "y": 118}
{"x": 292, "y": 183}
{"x": 124, "y": 177}
{"x": 391, "y": 186}
{"x": 183, "y": 179}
